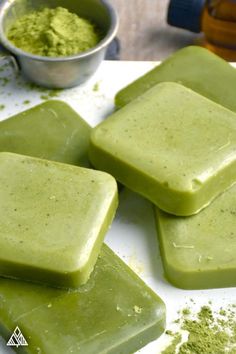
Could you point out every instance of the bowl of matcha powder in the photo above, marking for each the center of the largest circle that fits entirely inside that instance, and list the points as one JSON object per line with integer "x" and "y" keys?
{"x": 57, "y": 44}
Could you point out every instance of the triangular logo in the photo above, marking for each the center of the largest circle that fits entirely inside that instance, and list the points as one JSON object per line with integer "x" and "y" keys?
{"x": 17, "y": 339}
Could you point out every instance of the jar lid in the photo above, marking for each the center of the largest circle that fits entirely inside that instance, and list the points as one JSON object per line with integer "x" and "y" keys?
{"x": 186, "y": 14}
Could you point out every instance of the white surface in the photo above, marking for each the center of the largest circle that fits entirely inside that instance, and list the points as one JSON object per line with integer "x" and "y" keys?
{"x": 132, "y": 235}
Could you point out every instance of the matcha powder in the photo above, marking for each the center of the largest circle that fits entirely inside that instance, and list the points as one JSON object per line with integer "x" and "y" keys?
{"x": 53, "y": 33}
{"x": 207, "y": 334}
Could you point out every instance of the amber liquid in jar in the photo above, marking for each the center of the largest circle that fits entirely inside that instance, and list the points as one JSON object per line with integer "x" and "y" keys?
{"x": 219, "y": 28}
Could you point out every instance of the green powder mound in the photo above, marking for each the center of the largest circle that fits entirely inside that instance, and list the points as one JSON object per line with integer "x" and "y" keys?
{"x": 207, "y": 333}
{"x": 53, "y": 33}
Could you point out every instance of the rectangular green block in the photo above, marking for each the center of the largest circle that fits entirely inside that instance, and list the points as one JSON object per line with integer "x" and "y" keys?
{"x": 198, "y": 252}
{"x": 51, "y": 131}
{"x": 113, "y": 313}
{"x": 194, "y": 67}
{"x": 171, "y": 145}
{"x": 54, "y": 218}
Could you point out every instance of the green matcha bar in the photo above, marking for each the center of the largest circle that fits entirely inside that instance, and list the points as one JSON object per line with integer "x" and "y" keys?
{"x": 51, "y": 131}
{"x": 199, "y": 251}
{"x": 114, "y": 313}
{"x": 53, "y": 219}
{"x": 171, "y": 145}
{"x": 194, "y": 67}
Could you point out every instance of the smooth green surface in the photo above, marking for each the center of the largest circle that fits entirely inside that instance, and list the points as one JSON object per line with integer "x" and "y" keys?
{"x": 51, "y": 131}
{"x": 171, "y": 145}
{"x": 114, "y": 313}
{"x": 199, "y": 251}
{"x": 53, "y": 32}
{"x": 53, "y": 219}
{"x": 193, "y": 67}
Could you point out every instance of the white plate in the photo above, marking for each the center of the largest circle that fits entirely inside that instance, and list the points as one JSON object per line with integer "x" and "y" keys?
{"x": 132, "y": 235}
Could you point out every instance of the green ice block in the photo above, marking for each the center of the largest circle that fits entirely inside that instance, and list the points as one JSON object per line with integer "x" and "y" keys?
{"x": 199, "y": 251}
{"x": 171, "y": 145}
{"x": 114, "y": 313}
{"x": 53, "y": 219}
{"x": 194, "y": 67}
{"x": 51, "y": 131}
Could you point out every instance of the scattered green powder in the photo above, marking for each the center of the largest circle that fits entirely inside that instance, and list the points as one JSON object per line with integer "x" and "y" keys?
{"x": 208, "y": 334}
{"x": 222, "y": 312}
{"x": 186, "y": 311}
{"x": 172, "y": 347}
{"x": 53, "y": 33}
{"x": 96, "y": 87}
{"x": 137, "y": 309}
{"x": 47, "y": 94}
{"x": 50, "y": 94}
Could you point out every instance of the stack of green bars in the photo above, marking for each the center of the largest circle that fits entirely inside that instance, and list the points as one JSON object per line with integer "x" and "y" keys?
{"x": 60, "y": 285}
{"x": 173, "y": 141}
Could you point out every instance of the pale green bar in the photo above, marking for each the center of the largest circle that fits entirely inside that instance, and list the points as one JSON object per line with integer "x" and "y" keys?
{"x": 194, "y": 67}
{"x": 199, "y": 251}
{"x": 51, "y": 131}
{"x": 171, "y": 145}
{"x": 115, "y": 312}
{"x": 54, "y": 218}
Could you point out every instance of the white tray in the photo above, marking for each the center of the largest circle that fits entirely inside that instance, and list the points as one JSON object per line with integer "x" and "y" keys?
{"x": 132, "y": 235}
